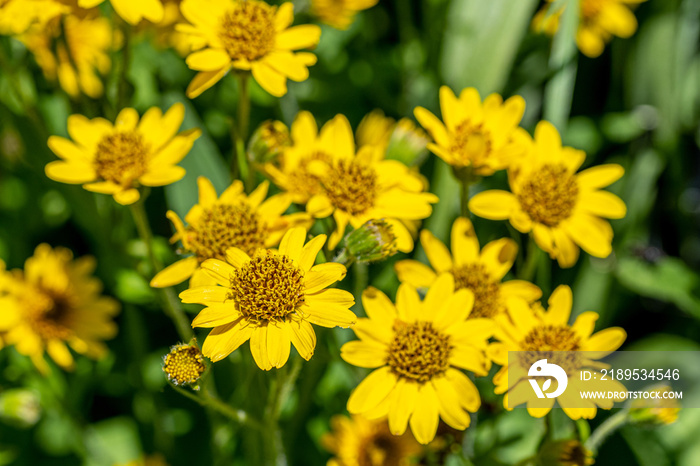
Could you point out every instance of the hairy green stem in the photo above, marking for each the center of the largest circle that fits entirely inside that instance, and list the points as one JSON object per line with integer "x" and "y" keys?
{"x": 533, "y": 255}
{"x": 606, "y": 429}
{"x": 171, "y": 304}
{"x": 204, "y": 399}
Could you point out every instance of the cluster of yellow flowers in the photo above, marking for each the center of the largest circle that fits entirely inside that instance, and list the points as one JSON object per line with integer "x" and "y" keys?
{"x": 253, "y": 265}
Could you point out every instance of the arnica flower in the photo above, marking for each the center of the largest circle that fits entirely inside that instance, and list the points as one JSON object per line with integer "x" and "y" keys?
{"x": 184, "y": 365}
{"x": 17, "y": 16}
{"x": 247, "y": 222}
{"x": 528, "y": 328}
{"x": 561, "y": 208}
{"x": 131, "y": 11}
{"x": 271, "y": 298}
{"x": 599, "y": 21}
{"x": 416, "y": 348}
{"x": 373, "y": 241}
{"x": 480, "y": 271}
{"x": 118, "y": 159}
{"x": 268, "y": 141}
{"x": 249, "y": 36}
{"x": 75, "y": 50}
{"x": 357, "y": 441}
{"x": 564, "y": 453}
{"x": 483, "y": 136}
{"x": 56, "y": 302}
{"x": 339, "y": 13}
{"x": 664, "y": 411}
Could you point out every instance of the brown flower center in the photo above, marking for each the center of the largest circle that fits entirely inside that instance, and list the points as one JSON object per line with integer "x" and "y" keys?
{"x": 351, "y": 186}
{"x": 381, "y": 449}
{"x": 302, "y": 181}
{"x": 223, "y": 226}
{"x": 472, "y": 144}
{"x": 121, "y": 157}
{"x": 247, "y": 31}
{"x": 547, "y": 341}
{"x": 184, "y": 364}
{"x": 418, "y": 351}
{"x": 487, "y": 292}
{"x": 49, "y": 314}
{"x": 591, "y": 8}
{"x": 549, "y": 195}
{"x": 269, "y": 287}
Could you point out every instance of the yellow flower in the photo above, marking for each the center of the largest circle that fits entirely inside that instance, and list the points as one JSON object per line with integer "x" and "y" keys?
{"x": 357, "y": 441}
{"x": 117, "y": 159}
{"x": 55, "y": 302}
{"x": 165, "y": 31}
{"x": 484, "y": 136}
{"x": 339, "y": 13}
{"x": 131, "y": 11}
{"x": 479, "y": 271}
{"x": 16, "y": 16}
{"x": 563, "y": 209}
{"x": 564, "y": 453}
{"x": 416, "y": 348}
{"x": 184, "y": 365}
{"x": 75, "y": 50}
{"x": 249, "y": 36}
{"x": 216, "y": 224}
{"x": 662, "y": 411}
{"x": 271, "y": 298}
{"x": 528, "y": 328}
{"x": 599, "y": 21}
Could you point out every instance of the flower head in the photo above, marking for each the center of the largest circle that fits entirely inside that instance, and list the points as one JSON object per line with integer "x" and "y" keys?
{"x": 117, "y": 159}
{"x": 480, "y": 271}
{"x": 339, "y": 13}
{"x": 416, "y": 348}
{"x": 484, "y": 136}
{"x": 531, "y": 328}
{"x": 131, "y": 11}
{"x": 663, "y": 411}
{"x": 73, "y": 49}
{"x": 565, "y": 453}
{"x": 373, "y": 241}
{"x": 271, "y": 298}
{"x": 247, "y": 222}
{"x": 17, "y": 16}
{"x": 250, "y": 36}
{"x": 55, "y": 302}
{"x": 599, "y": 21}
{"x": 562, "y": 208}
{"x": 357, "y": 441}
{"x": 268, "y": 141}
{"x": 184, "y": 365}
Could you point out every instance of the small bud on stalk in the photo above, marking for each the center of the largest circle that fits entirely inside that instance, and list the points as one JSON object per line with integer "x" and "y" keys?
{"x": 268, "y": 140}
{"x": 373, "y": 241}
{"x": 184, "y": 365}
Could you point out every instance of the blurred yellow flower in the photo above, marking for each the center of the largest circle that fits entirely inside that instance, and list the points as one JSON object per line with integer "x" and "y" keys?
{"x": 662, "y": 411}
{"x": 357, "y": 441}
{"x": 16, "y": 16}
{"x": 530, "y": 328}
{"x": 563, "y": 209}
{"x": 55, "y": 302}
{"x": 250, "y": 36}
{"x": 416, "y": 348}
{"x": 117, "y": 159}
{"x": 73, "y": 49}
{"x": 599, "y": 21}
{"x": 564, "y": 453}
{"x": 165, "y": 32}
{"x": 479, "y": 271}
{"x": 271, "y": 298}
{"x": 339, "y": 13}
{"x": 484, "y": 136}
{"x": 131, "y": 11}
{"x": 234, "y": 220}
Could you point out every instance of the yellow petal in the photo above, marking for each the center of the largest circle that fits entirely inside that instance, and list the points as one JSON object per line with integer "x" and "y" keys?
{"x": 127, "y": 197}
{"x": 585, "y": 231}
{"x": 203, "y": 81}
{"x": 298, "y": 37}
{"x": 547, "y": 138}
{"x": 443, "y": 287}
{"x": 278, "y": 343}
{"x": 602, "y": 204}
{"x": 219, "y": 270}
{"x": 498, "y": 256}
{"x": 415, "y": 273}
{"x": 292, "y": 243}
{"x": 432, "y": 125}
{"x": 206, "y": 295}
{"x": 70, "y": 172}
{"x": 258, "y": 347}
{"x": 237, "y": 257}
{"x": 560, "y": 303}
{"x": 322, "y": 276}
{"x": 455, "y": 309}
{"x": 208, "y": 60}
{"x": 468, "y": 393}
{"x": 364, "y": 354}
{"x": 526, "y": 290}
{"x": 303, "y": 338}
{"x": 609, "y": 339}
{"x": 425, "y": 417}
{"x": 164, "y": 176}
{"x": 68, "y": 150}
{"x": 378, "y": 306}
{"x": 371, "y": 332}
{"x": 493, "y": 204}
{"x": 599, "y": 176}
{"x": 207, "y": 192}
{"x": 223, "y": 340}
{"x": 465, "y": 244}
{"x": 403, "y": 402}
{"x": 449, "y": 406}
{"x": 175, "y": 273}
{"x": 270, "y": 79}
{"x": 437, "y": 253}
{"x": 127, "y": 120}
{"x": 60, "y": 353}
{"x": 408, "y": 305}
{"x": 330, "y": 308}
{"x": 288, "y": 64}
{"x": 371, "y": 391}
{"x": 216, "y": 315}
{"x": 284, "y": 16}
{"x": 310, "y": 251}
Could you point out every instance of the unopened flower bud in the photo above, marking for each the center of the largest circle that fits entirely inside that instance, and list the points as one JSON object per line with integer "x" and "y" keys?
{"x": 268, "y": 140}
{"x": 19, "y": 407}
{"x": 184, "y": 365}
{"x": 407, "y": 143}
{"x": 662, "y": 411}
{"x": 373, "y": 241}
{"x": 565, "y": 453}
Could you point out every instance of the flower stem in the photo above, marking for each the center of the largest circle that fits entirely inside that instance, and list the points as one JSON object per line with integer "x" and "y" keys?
{"x": 240, "y": 132}
{"x": 533, "y": 255}
{"x": 286, "y": 379}
{"x": 465, "y": 198}
{"x": 171, "y": 305}
{"x": 606, "y": 429}
{"x": 466, "y": 177}
{"x": 204, "y": 399}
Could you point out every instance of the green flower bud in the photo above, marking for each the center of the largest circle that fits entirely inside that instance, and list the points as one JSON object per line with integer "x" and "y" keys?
{"x": 268, "y": 140}
{"x": 663, "y": 411}
{"x": 19, "y": 407}
{"x": 373, "y": 241}
{"x": 407, "y": 143}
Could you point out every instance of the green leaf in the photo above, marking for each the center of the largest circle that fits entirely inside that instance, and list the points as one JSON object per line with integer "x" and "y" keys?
{"x": 203, "y": 160}
{"x": 669, "y": 280}
{"x": 646, "y": 447}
